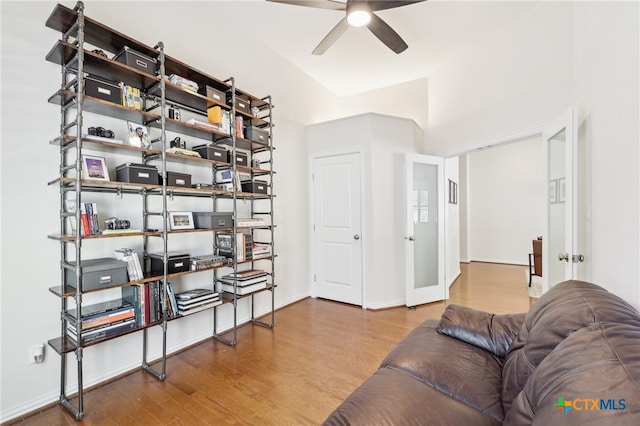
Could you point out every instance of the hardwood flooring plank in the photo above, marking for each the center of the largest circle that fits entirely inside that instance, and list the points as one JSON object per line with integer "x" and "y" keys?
{"x": 294, "y": 374}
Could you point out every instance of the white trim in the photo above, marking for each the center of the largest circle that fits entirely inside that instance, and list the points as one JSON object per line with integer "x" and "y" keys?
{"x": 503, "y": 140}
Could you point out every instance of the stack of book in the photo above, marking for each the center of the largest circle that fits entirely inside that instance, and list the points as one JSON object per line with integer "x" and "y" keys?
{"x": 196, "y": 300}
{"x": 244, "y": 245}
{"x": 245, "y": 281}
{"x": 261, "y": 250}
{"x": 101, "y": 320}
{"x": 146, "y": 299}
{"x": 134, "y": 269}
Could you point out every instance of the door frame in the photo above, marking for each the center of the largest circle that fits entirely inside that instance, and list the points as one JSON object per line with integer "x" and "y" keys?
{"x": 312, "y": 216}
{"x": 424, "y": 294}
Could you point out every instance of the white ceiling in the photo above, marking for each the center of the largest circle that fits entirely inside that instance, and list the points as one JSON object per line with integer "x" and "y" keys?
{"x": 358, "y": 61}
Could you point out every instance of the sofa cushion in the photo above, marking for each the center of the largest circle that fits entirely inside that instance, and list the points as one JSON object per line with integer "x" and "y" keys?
{"x": 464, "y": 372}
{"x": 490, "y": 332}
{"x": 597, "y": 363}
{"x": 391, "y": 397}
{"x": 563, "y": 309}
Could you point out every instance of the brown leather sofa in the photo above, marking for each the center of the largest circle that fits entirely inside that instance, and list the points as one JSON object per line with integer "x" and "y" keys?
{"x": 573, "y": 359}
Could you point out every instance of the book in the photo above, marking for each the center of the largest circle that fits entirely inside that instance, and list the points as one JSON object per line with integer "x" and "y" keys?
{"x": 134, "y": 294}
{"x": 84, "y": 220}
{"x": 134, "y": 268}
{"x": 89, "y": 311}
{"x": 244, "y": 282}
{"x": 200, "y": 308}
{"x": 190, "y": 294}
{"x": 186, "y": 306}
{"x": 206, "y": 297}
{"x": 243, "y": 290}
{"x": 102, "y": 333}
{"x": 105, "y": 319}
{"x": 249, "y": 273}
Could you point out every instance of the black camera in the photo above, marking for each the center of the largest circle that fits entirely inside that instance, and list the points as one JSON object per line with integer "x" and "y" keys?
{"x": 115, "y": 223}
{"x": 102, "y": 132}
{"x": 178, "y": 143}
{"x": 174, "y": 114}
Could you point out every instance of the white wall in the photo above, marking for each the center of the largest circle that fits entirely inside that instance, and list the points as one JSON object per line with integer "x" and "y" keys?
{"x": 519, "y": 77}
{"x": 382, "y": 141}
{"x": 30, "y": 262}
{"x": 606, "y": 85}
{"x": 452, "y": 221}
{"x": 525, "y": 76}
{"x": 506, "y": 201}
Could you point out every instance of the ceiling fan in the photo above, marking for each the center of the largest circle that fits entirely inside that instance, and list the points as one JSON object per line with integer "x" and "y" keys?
{"x": 359, "y": 13}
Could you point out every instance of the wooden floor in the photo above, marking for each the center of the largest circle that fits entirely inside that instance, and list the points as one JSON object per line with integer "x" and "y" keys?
{"x": 295, "y": 374}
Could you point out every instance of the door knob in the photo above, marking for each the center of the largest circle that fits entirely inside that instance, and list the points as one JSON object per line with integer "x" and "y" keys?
{"x": 577, "y": 258}
{"x": 410, "y": 238}
{"x": 356, "y": 237}
{"x": 563, "y": 256}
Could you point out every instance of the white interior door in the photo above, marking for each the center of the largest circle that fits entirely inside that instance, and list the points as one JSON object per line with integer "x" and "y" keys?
{"x": 565, "y": 247}
{"x": 424, "y": 239}
{"x": 337, "y": 228}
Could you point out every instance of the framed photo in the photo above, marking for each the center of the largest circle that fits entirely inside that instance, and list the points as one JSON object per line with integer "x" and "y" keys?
{"x": 94, "y": 168}
{"x": 180, "y": 220}
{"x": 562, "y": 190}
{"x": 138, "y": 135}
{"x": 553, "y": 191}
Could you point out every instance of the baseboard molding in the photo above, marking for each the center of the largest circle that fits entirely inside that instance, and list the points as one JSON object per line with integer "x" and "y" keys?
{"x": 34, "y": 406}
{"x": 385, "y": 305}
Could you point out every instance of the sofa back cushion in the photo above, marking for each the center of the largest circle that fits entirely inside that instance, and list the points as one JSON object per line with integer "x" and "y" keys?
{"x": 565, "y": 308}
{"x": 591, "y": 378}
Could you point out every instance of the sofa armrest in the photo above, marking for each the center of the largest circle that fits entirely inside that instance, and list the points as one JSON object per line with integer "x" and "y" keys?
{"x": 493, "y": 333}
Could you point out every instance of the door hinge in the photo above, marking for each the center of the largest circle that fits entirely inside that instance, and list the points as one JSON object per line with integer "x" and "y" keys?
{"x": 314, "y": 278}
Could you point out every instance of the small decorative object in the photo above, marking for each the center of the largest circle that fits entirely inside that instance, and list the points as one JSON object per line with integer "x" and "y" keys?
{"x": 138, "y": 135}
{"x": 180, "y": 220}
{"x": 94, "y": 168}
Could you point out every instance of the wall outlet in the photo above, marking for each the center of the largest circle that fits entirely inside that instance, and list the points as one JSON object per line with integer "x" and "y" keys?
{"x": 36, "y": 354}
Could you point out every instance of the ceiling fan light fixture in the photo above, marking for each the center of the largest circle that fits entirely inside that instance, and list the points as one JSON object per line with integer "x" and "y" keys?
{"x": 358, "y": 18}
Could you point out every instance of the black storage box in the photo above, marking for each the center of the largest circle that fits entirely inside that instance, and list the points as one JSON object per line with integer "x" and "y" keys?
{"x": 137, "y": 173}
{"x": 98, "y": 273}
{"x": 242, "y": 104}
{"x": 176, "y": 262}
{"x": 215, "y": 94}
{"x": 211, "y": 152}
{"x": 256, "y": 134}
{"x": 178, "y": 179}
{"x": 103, "y": 89}
{"x": 212, "y": 220}
{"x": 255, "y": 186}
{"x": 137, "y": 60}
{"x": 241, "y": 158}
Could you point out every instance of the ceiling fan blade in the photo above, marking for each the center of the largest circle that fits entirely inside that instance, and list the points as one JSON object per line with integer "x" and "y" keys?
{"x": 331, "y": 38}
{"x": 386, "y": 34}
{"x": 375, "y": 5}
{"x": 318, "y": 4}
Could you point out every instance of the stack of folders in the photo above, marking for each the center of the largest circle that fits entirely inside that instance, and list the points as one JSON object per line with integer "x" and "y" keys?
{"x": 197, "y": 300}
{"x": 245, "y": 281}
{"x": 101, "y": 320}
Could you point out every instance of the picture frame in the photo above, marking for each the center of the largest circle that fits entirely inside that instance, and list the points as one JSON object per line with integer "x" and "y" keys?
{"x": 94, "y": 168}
{"x": 138, "y": 135}
{"x": 562, "y": 190}
{"x": 180, "y": 220}
{"x": 553, "y": 191}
